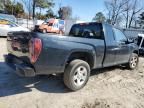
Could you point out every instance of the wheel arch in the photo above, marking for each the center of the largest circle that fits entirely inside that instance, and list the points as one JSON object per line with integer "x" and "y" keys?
{"x": 136, "y": 52}
{"x": 82, "y": 55}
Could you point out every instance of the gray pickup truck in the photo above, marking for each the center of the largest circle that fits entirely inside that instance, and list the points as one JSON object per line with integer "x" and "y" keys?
{"x": 88, "y": 46}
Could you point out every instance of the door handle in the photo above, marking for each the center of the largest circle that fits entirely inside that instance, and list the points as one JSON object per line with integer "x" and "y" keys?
{"x": 114, "y": 49}
{"x": 122, "y": 44}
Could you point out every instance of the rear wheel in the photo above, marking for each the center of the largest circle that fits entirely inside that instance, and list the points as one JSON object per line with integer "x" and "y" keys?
{"x": 133, "y": 61}
{"x": 76, "y": 74}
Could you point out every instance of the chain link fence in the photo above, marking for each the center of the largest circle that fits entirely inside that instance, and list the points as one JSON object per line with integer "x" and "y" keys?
{"x": 133, "y": 33}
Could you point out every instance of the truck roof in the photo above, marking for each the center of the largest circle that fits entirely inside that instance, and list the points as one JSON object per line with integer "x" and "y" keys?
{"x": 83, "y": 23}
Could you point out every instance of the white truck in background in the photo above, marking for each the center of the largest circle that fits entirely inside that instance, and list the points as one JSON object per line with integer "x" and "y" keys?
{"x": 141, "y": 43}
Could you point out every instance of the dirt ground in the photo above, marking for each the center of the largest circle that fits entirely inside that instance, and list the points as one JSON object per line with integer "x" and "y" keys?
{"x": 114, "y": 87}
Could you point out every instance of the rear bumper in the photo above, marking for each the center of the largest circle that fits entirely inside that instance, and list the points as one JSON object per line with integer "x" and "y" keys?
{"x": 24, "y": 70}
{"x": 21, "y": 68}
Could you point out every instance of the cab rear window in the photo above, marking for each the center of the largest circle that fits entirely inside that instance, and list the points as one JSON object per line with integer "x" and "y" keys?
{"x": 88, "y": 30}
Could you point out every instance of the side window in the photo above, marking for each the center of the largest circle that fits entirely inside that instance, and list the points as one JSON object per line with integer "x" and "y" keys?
{"x": 119, "y": 36}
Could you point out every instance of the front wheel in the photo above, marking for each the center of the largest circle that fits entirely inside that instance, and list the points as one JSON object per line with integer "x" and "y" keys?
{"x": 133, "y": 61}
{"x": 76, "y": 74}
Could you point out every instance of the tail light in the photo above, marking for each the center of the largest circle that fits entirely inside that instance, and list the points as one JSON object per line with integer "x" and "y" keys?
{"x": 35, "y": 46}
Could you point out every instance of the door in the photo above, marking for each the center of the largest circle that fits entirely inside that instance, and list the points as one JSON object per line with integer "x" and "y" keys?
{"x": 111, "y": 47}
{"x": 122, "y": 47}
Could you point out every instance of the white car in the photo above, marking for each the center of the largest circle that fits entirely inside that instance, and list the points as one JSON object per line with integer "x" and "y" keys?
{"x": 9, "y": 26}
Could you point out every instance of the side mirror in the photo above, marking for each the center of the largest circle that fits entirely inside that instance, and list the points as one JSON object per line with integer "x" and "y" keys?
{"x": 122, "y": 42}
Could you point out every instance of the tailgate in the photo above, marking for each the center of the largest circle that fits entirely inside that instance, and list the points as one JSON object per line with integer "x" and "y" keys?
{"x": 18, "y": 44}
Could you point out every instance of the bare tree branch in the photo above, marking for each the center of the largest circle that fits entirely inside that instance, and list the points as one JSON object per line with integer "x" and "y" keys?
{"x": 135, "y": 10}
{"x": 115, "y": 9}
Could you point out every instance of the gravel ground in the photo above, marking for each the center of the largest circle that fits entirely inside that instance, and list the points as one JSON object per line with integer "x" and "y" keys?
{"x": 114, "y": 87}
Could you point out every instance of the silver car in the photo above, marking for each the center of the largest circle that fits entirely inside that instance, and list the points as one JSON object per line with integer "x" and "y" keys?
{"x": 9, "y": 26}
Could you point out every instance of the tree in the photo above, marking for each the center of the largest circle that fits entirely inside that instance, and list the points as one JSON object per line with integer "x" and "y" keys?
{"x": 141, "y": 20}
{"x": 127, "y": 9}
{"x": 124, "y": 11}
{"x": 31, "y": 5}
{"x": 18, "y": 9}
{"x": 13, "y": 8}
{"x": 1, "y": 6}
{"x": 135, "y": 9}
{"x": 41, "y": 4}
{"x": 28, "y": 6}
{"x": 50, "y": 14}
{"x": 115, "y": 9}
{"x": 131, "y": 11}
{"x": 99, "y": 17}
{"x": 65, "y": 12}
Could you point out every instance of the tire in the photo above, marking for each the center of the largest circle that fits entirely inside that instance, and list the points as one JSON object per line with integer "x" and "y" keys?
{"x": 76, "y": 74}
{"x": 44, "y": 30}
{"x": 133, "y": 61}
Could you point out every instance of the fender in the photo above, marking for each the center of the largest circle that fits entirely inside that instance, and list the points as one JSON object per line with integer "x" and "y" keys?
{"x": 91, "y": 52}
